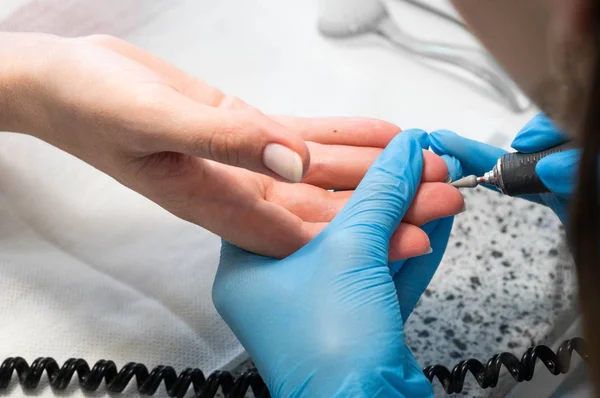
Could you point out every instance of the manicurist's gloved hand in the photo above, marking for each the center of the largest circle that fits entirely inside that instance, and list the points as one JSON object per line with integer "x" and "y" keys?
{"x": 412, "y": 276}
{"x": 326, "y": 321}
{"x": 557, "y": 171}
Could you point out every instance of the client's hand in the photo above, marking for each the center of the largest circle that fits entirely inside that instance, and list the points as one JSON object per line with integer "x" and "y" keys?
{"x": 557, "y": 171}
{"x": 327, "y": 321}
{"x": 177, "y": 140}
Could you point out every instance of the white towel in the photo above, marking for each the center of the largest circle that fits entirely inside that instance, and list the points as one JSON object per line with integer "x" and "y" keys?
{"x": 90, "y": 269}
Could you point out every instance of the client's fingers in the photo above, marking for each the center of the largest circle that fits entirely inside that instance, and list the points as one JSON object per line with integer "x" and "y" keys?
{"x": 433, "y": 200}
{"x": 342, "y": 167}
{"x": 414, "y": 276}
{"x": 353, "y": 131}
{"x": 184, "y": 83}
{"x": 406, "y": 242}
{"x": 238, "y": 137}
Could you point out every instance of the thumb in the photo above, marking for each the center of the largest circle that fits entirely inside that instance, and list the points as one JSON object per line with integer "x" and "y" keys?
{"x": 241, "y": 137}
{"x": 386, "y": 192}
{"x": 475, "y": 157}
{"x": 538, "y": 134}
{"x": 558, "y": 172}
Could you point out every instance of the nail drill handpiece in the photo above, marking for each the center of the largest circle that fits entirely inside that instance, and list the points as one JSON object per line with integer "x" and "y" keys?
{"x": 514, "y": 173}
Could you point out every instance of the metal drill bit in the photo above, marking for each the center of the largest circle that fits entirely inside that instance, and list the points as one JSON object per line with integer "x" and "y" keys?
{"x": 468, "y": 182}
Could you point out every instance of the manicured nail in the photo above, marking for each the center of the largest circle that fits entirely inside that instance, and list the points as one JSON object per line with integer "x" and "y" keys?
{"x": 448, "y": 179}
{"x": 283, "y": 161}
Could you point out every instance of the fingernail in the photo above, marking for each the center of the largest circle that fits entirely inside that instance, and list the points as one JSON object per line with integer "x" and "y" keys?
{"x": 428, "y": 251}
{"x": 448, "y": 179}
{"x": 283, "y": 161}
{"x": 464, "y": 208}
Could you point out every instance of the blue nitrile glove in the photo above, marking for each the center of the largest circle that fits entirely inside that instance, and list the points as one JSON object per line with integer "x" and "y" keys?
{"x": 326, "y": 321}
{"x": 557, "y": 171}
{"x": 412, "y": 276}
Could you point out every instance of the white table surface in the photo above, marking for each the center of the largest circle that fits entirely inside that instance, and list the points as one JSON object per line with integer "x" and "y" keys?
{"x": 270, "y": 54}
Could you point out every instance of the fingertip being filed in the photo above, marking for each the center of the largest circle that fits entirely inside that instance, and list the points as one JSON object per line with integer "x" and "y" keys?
{"x": 434, "y": 168}
{"x": 434, "y": 200}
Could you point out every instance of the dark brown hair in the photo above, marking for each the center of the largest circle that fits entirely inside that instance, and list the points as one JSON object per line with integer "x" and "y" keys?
{"x": 584, "y": 229}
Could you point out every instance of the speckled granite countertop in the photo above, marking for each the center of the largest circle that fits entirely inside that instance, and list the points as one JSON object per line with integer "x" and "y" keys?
{"x": 506, "y": 283}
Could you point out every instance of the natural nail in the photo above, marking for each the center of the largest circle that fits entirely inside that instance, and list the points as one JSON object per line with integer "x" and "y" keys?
{"x": 448, "y": 179}
{"x": 283, "y": 161}
{"x": 464, "y": 208}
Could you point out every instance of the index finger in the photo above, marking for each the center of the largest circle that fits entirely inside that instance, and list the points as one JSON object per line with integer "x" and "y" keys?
{"x": 351, "y": 131}
{"x": 539, "y": 134}
{"x": 184, "y": 83}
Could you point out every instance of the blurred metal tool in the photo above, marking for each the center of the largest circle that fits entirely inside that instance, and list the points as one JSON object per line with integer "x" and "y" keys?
{"x": 346, "y": 18}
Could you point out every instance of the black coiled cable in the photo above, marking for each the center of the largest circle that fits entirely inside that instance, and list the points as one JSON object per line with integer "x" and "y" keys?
{"x": 148, "y": 382}
{"x": 487, "y": 375}
{"x": 116, "y": 380}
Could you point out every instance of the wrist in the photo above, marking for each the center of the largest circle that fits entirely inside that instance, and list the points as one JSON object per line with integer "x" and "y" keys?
{"x": 24, "y": 58}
